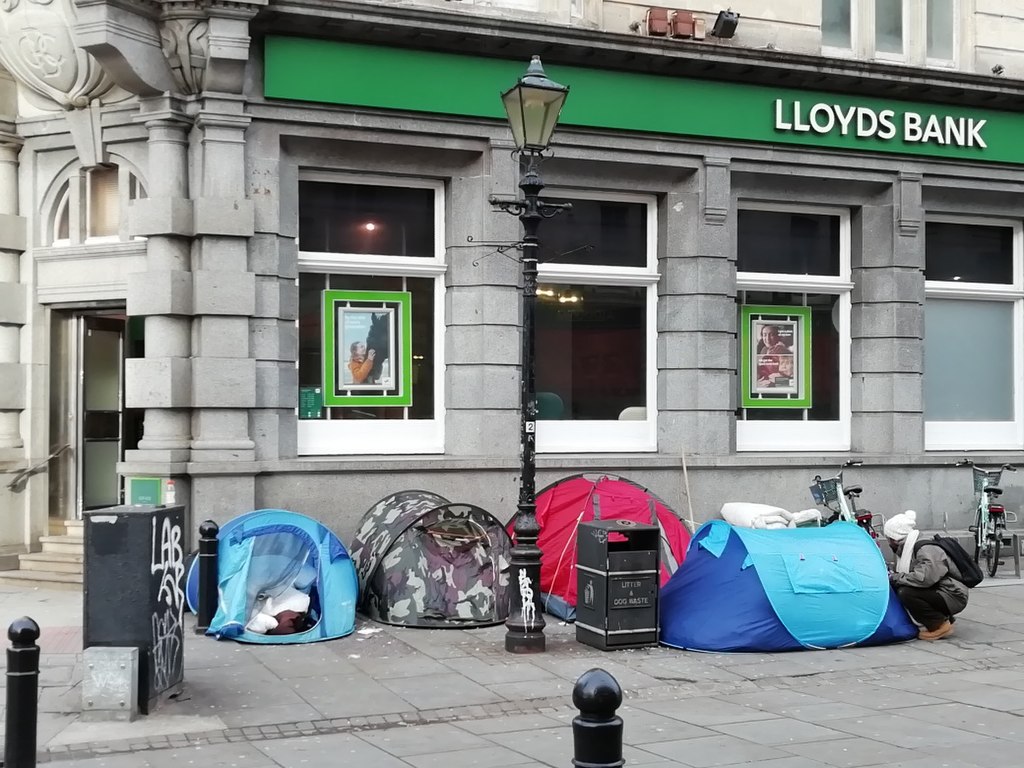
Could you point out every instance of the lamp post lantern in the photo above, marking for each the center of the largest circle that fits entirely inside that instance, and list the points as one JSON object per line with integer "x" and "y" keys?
{"x": 533, "y": 105}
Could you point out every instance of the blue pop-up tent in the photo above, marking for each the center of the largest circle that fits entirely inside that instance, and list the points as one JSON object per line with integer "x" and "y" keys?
{"x": 742, "y": 589}
{"x": 273, "y": 554}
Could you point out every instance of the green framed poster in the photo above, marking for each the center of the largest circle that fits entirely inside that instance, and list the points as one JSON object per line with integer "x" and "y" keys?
{"x": 775, "y": 357}
{"x": 367, "y": 348}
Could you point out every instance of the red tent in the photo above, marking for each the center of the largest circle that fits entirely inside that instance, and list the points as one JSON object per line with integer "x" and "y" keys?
{"x": 570, "y": 501}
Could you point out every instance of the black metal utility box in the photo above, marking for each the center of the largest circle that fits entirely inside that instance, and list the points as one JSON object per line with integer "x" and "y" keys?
{"x": 617, "y": 579}
{"x": 134, "y": 591}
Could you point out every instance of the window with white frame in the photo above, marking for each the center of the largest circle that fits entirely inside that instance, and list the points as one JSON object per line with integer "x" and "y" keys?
{"x": 923, "y": 33}
{"x": 890, "y": 29}
{"x": 940, "y": 32}
{"x": 92, "y": 206}
{"x": 795, "y": 257}
{"x": 596, "y": 375}
{"x": 974, "y": 324}
{"x": 367, "y": 238}
{"x": 837, "y": 24}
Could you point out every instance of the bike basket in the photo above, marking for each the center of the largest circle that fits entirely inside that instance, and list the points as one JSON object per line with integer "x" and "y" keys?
{"x": 826, "y": 493}
{"x": 984, "y": 478}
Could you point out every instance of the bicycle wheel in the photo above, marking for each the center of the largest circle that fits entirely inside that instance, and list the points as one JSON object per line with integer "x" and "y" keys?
{"x": 992, "y": 553}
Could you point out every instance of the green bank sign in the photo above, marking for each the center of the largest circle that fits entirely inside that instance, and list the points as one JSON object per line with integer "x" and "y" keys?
{"x": 451, "y": 84}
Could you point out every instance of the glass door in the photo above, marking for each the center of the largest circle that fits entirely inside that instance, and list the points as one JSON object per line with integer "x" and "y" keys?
{"x": 100, "y": 410}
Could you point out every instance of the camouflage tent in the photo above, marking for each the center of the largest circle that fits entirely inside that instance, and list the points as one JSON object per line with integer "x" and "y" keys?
{"x": 422, "y": 561}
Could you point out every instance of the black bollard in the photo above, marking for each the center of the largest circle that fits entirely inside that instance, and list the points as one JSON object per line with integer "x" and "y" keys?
{"x": 597, "y": 730}
{"x": 22, "y": 694}
{"x": 207, "y": 575}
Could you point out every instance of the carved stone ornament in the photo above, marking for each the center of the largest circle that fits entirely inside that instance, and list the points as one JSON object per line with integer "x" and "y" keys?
{"x": 38, "y": 49}
{"x": 185, "y": 43}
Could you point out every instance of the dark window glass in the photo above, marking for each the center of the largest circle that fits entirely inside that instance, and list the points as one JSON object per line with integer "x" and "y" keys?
{"x": 968, "y": 253}
{"x": 363, "y": 218}
{"x": 311, "y": 329}
{"x": 591, "y": 351}
{"x": 788, "y": 243}
{"x": 596, "y": 233}
{"x": 824, "y": 356}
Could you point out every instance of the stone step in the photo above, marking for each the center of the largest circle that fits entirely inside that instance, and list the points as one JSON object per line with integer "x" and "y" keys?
{"x": 65, "y": 545}
{"x": 43, "y": 579}
{"x": 74, "y": 529}
{"x": 52, "y": 562}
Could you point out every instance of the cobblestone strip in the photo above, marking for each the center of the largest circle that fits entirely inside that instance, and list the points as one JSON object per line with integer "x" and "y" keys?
{"x": 548, "y": 706}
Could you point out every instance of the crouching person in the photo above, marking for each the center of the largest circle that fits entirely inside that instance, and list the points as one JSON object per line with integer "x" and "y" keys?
{"x": 928, "y": 582}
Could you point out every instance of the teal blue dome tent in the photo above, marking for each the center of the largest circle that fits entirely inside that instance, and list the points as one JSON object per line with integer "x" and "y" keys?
{"x": 741, "y": 589}
{"x": 282, "y": 578}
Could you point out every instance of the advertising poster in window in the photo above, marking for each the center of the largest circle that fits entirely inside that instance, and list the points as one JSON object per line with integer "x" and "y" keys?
{"x": 367, "y": 350}
{"x": 775, "y": 360}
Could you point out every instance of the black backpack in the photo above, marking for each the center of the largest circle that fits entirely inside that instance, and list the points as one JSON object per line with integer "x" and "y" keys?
{"x": 969, "y": 570}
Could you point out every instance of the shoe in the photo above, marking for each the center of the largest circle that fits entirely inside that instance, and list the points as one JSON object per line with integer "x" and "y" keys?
{"x": 943, "y": 630}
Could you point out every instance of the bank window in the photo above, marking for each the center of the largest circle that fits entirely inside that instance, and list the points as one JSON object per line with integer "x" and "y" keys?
{"x": 595, "y": 326}
{"x": 973, "y": 331}
{"x": 793, "y": 279}
{"x": 890, "y": 23}
{"x": 836, "y": 24}
{"x": 371, "y": 251}
{"x": 92, "y": 204}
{"x": 940, "y": 23}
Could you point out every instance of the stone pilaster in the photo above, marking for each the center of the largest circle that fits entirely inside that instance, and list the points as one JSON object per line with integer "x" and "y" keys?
{"x": 482, "y": 339}
{"x": 12, "y": 303}
{"x": 887, "y": 324}
{"x": 697, "y": 317}
{"x": 273, "y": 260}
{"x": 225, "y": 292}
{"x": 161, "y": 382}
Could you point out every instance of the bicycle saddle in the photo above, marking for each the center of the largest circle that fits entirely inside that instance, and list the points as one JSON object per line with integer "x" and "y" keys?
{"x": 994, "y": 490}
{"x": 853, "y": 490}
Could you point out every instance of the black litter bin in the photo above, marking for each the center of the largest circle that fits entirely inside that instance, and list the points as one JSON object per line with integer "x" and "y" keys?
{"x": 617, "y": 580}
{"x": 134, "y": 591}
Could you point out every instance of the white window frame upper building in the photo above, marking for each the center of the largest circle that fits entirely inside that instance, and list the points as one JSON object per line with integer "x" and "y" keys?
{"x": 806, "y": 435}
{"x": 985, "y": 435}
{"x": 608, "y": 436}
{"x": 326, "y": 437}
{"x": 863, "y": 42}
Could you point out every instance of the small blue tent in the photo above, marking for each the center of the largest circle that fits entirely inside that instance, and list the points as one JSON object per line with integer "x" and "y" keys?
{"x": 270, "y": 554}
{"x": 742, "y": 589}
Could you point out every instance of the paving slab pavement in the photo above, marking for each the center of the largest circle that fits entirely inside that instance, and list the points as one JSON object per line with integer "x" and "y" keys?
{"x": 387, "y": 697}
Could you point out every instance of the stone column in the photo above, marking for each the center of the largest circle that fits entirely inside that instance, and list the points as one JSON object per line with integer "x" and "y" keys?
{"x": 225, "y": 304}
{"x": 12, "y": 303}
{"x": 887, "y": 324}
{"x": 224, "y": 290}
{"x": 161, "y": 381}
{"x": 697, "y": 317}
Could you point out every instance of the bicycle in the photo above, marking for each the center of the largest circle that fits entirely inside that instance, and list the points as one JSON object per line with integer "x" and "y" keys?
{"x": 842, "y": 501}
{"x": 990, "y": 518}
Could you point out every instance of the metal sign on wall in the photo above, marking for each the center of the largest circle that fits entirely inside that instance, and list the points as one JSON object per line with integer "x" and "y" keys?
{"x": 408, "y": 80}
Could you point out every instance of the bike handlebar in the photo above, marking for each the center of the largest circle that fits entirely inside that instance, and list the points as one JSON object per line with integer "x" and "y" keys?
{"x": 970, "y": 463}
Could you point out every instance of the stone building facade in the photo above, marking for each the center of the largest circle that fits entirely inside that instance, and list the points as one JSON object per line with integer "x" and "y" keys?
{"x": 180, "y": 183}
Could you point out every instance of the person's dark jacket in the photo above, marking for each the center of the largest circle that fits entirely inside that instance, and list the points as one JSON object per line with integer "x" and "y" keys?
{"x": 932, "y": 568}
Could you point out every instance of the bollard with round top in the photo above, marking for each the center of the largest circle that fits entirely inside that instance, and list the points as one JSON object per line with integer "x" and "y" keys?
{"x": 597, "y": 730}
{"x": 22, "y": 694}
{"x": 207, "y": 607}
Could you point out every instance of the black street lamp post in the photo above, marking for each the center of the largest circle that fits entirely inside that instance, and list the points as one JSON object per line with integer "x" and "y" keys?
{"x": 533, "y": 105}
